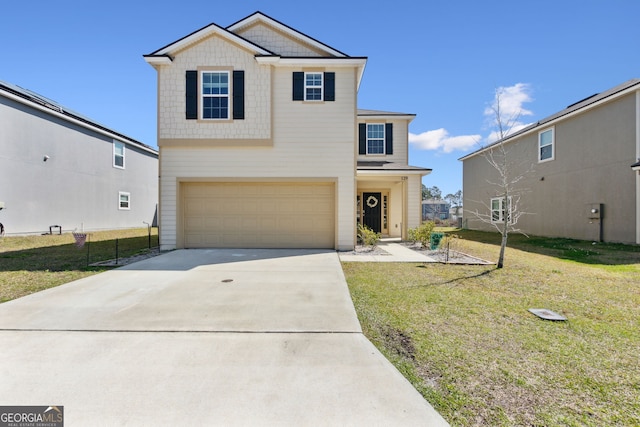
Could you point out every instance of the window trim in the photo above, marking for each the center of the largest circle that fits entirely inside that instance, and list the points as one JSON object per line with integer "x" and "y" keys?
{"x": 552, "y": 144}
{"x": 501, "y": 210}
{"x": 128, "y": 202}
{"x": 384, "y": 139}
{"x": 306, "y": 86}
{"x": 202, "y": 95}
{"x": 116, "y": 155}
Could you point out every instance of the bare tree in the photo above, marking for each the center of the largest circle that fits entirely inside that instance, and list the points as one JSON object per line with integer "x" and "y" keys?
{"x": 505, "y": 214}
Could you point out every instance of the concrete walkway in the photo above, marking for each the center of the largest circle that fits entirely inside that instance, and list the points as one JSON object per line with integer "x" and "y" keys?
{"x": 394, "y": 253}
{"x": 204, "y": 337}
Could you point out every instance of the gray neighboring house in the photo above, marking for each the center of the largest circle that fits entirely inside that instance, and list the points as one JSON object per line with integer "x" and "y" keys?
{"x": 58, "y": 168}
{"x": 585, "y": 173}
{"x": 433, "y": 209}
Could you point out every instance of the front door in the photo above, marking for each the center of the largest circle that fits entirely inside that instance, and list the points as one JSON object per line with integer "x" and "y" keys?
{"x": 372, "y": 211}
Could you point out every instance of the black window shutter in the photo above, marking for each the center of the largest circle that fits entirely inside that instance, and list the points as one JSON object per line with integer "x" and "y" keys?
{"x": 298, "y": 86}
{"x": 362, "y": 138}
{"x": 238, "y": 95}
{"x": 329, "y": 86}
{"x": 388, "y": 136}
{"x": 191, "y": 110}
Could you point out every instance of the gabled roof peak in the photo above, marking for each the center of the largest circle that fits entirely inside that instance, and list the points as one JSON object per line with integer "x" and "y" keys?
{"x": 261, "y": 17}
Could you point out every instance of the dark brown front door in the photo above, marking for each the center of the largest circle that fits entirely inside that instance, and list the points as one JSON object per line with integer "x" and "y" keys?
{"x": 372, "y": 210}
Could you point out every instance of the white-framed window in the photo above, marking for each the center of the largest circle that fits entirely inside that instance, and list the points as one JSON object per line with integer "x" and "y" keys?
{"x": 375, "y": 138}
{"x": 499, "y": 210}
{"x": 313, "y": 86}
{"x": 546, "y": 145}
{"x": 118, "y": 155}
{"x": 124, "y": 200}
{"x": 215, "y": 95}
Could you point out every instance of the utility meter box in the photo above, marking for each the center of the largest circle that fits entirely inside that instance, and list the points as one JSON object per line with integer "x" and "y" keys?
{"x": 595, "y": 211}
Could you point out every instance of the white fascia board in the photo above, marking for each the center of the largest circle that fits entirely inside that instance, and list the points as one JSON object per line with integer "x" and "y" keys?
{"x": 554, "y": 121}
{"x": 409, "y": 117}
{"x": 388, "y": 173}
{"x": 206, "y": 32}
{"x": 158, "y": 60}
{"x": 287, "y": 30}
{"x": 76, "y": 122}
{"x": 279, "y": 61}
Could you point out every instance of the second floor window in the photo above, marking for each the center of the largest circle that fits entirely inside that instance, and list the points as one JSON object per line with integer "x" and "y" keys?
{"x": 215, "y": 95}
{"x": 545, "y": 145}
{"x": 313, "y": 86}
{"x": 375, "y": 138}
{"x": 118, "y": 155}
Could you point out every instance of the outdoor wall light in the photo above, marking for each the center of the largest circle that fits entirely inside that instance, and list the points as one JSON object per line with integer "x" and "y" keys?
{"x": 45, "y": 158}
{"x": 594, "y": 210}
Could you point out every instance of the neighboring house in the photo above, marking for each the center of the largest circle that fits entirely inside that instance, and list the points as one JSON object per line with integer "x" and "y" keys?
{"x": 262, "y": 144}
{"x": 581, "y": 183}
{"x": 433, "y": 209}
{"x": 58, "y": 168}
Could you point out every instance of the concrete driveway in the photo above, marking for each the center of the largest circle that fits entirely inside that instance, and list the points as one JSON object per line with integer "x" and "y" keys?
{"x": 204, "y": 337}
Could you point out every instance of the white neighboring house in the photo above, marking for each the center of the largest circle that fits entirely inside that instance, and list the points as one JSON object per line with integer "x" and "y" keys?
{"x": 58, "y": 168}
{"x": 262, "y": 143}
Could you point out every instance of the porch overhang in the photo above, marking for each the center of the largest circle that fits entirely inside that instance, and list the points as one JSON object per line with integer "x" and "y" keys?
{"x": 388, "y": 169}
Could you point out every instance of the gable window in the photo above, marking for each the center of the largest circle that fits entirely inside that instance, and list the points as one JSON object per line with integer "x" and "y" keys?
{"x": 118, "y": 155}
{"x": 498, "y": 210}
{"x": 375, "y": 138}
{"x": 208, "y": 95}
{"x": 124, "y": 200}
{"x": 215, "y": 95}
{"x": 546, "y": 142}
{"x": 313, "y": 86}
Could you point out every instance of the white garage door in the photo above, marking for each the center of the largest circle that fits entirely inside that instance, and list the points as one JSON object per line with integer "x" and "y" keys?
{"x": 258, "y": 215}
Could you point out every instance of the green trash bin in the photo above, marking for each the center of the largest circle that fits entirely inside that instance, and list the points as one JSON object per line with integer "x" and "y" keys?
{"x": 435, "y": 240}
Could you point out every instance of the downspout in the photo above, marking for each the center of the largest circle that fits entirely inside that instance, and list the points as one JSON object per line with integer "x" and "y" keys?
{"x": 405, "y": 206}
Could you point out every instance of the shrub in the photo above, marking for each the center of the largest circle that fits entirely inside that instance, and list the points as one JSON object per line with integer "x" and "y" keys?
{"x": 367, "y": 236}
{"x": 422, "y": 233}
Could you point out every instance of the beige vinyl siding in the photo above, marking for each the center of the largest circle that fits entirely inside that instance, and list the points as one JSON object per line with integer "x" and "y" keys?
{"x": 304, "y": 147}
{"x": 400, "y": 138}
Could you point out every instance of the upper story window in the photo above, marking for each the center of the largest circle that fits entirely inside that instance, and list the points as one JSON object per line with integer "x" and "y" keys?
{"x": 118, "y": 155}
{"x": 313, "y": 86}
{"x": 375, "y": 138}
{"x": 546, "y": 142}
{"x": 215, "y": 95}
{"x": 499, "y": 210}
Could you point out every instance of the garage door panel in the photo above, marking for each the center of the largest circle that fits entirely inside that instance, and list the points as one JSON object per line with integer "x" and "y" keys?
{"x": 268, "y": 215}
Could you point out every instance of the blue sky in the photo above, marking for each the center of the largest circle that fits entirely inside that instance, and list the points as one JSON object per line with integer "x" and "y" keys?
{"x": 441, "y": 60}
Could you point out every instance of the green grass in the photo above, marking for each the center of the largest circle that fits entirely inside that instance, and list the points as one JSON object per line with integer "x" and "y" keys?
{"x": 32, "y": 263}
{"x": 463, "y": 336}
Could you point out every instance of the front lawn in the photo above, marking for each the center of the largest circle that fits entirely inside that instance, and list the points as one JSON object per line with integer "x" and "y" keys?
{"x": 463, "y": 336}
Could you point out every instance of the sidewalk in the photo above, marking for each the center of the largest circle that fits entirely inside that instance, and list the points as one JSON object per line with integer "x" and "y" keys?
{"x": 395, "y": 252}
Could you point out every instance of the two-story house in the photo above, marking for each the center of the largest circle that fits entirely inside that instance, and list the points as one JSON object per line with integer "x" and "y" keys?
{"x": 577, "y": 170}
{"x": 262, "y": 143}
{"x": 60, "y": 168}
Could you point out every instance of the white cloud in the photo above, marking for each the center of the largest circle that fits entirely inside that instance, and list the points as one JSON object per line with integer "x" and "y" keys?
{"x": 440, "y": 140}
{"x": 507, "y": 106}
